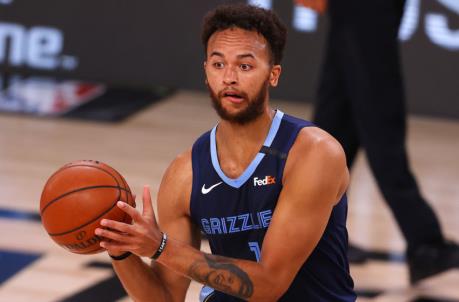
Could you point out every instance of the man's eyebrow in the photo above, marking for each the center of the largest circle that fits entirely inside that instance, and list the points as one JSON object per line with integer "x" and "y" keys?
{"x": 241, "y": 56}
{"x": 246, "y": 55}
{"x": 216, "y": 53}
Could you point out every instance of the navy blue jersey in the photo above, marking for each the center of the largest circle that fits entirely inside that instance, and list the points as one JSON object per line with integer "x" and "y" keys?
{"x": 235, "y": 215}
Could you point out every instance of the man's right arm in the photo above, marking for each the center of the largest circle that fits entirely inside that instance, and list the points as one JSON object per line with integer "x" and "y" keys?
{"x": 144, "y": 282}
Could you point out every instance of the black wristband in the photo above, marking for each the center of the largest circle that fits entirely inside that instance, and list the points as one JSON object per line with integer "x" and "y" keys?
{"x": 121, "y": 257}
{"x": 161, "y": 247}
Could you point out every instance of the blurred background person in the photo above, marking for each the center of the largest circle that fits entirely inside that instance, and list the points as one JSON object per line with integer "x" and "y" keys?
{"x": 361, "y": 101}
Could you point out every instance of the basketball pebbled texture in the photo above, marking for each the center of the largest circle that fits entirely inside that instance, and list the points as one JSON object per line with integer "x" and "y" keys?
{"x": 75, "y": 199}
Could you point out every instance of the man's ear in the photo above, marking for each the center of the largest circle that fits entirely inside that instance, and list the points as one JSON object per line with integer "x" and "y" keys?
{"x": 274, "y": 75}
{"x": 204, "y": 65}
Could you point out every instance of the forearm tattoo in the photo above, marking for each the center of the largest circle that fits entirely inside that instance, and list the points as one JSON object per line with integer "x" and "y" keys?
{"x": 222, "y": 275}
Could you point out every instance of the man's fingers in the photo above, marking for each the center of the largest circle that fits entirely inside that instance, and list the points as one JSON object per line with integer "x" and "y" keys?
{"x": 115, "y": 247}
{"x": 130, "y": 211}
{"x": 147, "y": 203}
{"x": 112, "y": 235}
{"x": 118, "y": 226}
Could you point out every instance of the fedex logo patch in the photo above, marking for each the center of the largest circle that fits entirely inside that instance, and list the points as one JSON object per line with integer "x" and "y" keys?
{"x": 268, "y": 180}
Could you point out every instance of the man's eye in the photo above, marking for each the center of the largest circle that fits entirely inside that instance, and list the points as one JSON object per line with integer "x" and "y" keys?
{"x": 245, "y": 67}
{"x": 218, "y": 65}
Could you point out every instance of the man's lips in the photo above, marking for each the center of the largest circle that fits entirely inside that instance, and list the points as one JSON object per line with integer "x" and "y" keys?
{"x": 233, "y": 96}
{"x": 232, "y": 99}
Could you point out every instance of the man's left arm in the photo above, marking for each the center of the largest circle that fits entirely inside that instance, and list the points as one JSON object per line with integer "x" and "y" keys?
{"x": 315, "y": 178}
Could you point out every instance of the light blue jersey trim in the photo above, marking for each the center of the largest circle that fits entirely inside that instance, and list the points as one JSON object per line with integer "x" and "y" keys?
{"x": 206, "y": 293}
{"x": 238, "y": 182}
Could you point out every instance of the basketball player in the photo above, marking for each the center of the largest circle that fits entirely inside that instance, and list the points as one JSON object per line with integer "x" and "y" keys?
{"x": 267, "y": 189}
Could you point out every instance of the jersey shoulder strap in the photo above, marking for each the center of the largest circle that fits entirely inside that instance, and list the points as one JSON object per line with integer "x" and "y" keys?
{"x": 285, "y": 138}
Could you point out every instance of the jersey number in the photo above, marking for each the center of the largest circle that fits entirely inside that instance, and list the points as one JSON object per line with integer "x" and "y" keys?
{"x": 255, "y": 248}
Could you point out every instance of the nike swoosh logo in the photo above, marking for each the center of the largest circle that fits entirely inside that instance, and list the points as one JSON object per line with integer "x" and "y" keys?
{"x": 205, "y": 191}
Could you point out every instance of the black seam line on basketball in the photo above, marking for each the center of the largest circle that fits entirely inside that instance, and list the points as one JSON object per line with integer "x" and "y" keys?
{"x": 119, "y": 189}
{"x": 79, "y": 190}
{"x": 71, "y": 166}
{"x": 104, "y": 170}
{"x": 91, "y": 251}
{"x": 95, "y": 167}
{"x": 127, "y": 195}
{"x": 81, "y": 165}
{"x": 87, "y": 223}
{"x": 119, "y": 192}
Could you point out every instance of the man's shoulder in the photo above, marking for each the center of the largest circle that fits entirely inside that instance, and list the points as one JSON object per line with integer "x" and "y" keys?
{"x": 313, "y": 143}
{"x": 181, "y": 165}
{"x": 314, "y": 139}
{"x": 175, "y": 188}
{"x": 317, "y": 155}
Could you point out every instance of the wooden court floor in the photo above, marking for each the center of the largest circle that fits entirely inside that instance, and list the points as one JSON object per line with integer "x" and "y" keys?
{"x": 33, "y": 268}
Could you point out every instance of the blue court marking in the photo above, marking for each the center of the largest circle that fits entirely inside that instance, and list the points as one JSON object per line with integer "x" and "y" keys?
{"x": 11, "y": 262}
{"x": 19, "y": 215}
{"x": 238, "y": 182}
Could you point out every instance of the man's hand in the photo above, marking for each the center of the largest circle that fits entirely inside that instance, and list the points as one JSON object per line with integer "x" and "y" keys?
{"x": 318, "y": 5}
{"x": 142, "y": 237}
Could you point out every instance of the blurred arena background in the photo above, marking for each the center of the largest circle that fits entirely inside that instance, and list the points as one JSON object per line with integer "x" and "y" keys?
{"x": 122, "y": 82}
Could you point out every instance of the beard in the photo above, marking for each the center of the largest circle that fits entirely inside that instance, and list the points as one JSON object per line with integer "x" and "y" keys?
{"x": 255, "y": 106}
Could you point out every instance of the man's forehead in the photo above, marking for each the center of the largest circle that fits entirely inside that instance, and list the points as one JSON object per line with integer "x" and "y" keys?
{"x": 237, "y": 38}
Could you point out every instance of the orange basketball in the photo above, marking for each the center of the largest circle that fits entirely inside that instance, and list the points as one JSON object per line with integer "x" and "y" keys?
{"x": 76, "y": 198}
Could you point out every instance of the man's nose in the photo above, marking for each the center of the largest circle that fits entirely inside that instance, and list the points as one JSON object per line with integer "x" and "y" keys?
{"x": 230, "y": 76}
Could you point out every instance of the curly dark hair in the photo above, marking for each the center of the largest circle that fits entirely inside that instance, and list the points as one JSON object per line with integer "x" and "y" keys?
{"x": 251, "y": 18}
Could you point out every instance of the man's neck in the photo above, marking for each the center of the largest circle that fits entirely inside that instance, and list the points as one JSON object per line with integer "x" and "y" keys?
{"x": 238, "y": 144}
{"x": 252, "y": 132}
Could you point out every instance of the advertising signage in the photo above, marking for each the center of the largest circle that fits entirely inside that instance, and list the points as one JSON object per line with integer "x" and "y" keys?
{"x": 146, "y": 43}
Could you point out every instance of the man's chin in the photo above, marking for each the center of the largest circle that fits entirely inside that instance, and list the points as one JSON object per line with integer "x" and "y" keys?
{"x": 231, "y": 116}
{"x": 240, "y": 118}
{"x": 237, "y": 112}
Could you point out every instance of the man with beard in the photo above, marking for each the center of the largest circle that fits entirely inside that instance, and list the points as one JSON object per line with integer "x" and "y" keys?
{"x": 266, "y": 188}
